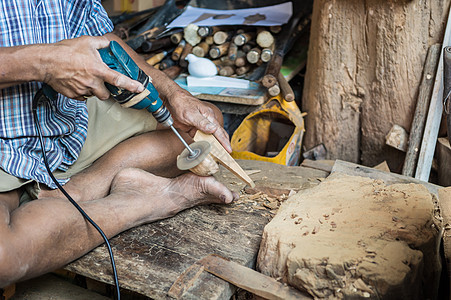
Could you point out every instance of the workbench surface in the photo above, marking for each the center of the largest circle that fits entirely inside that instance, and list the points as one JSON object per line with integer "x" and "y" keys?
{"x": 151, "y": 257}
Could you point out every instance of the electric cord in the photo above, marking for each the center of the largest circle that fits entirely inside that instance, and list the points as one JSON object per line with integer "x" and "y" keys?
{"x": 36, "y": 99}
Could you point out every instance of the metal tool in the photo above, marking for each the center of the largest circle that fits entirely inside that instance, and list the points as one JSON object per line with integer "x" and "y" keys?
{"x": 118, "y": 59}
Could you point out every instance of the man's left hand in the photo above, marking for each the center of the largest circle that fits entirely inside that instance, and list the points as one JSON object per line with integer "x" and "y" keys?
{"x": 191, "y": 114}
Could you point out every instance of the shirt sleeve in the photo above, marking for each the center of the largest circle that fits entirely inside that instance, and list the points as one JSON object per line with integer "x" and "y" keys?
{"x": 97, "y": 21}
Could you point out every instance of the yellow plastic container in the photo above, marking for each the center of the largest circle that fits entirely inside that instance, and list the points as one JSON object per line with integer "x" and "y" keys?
{"x": 263, "y": 134}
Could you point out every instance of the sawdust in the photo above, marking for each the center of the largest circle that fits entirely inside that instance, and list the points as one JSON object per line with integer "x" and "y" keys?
{"x": 355, "y": 237}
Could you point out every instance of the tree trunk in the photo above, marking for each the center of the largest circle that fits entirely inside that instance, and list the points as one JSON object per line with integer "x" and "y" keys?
{"x": 363, "y": 72}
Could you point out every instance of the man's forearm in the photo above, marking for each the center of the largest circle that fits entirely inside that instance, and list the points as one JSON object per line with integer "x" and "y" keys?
{"x": 21, "y": 64}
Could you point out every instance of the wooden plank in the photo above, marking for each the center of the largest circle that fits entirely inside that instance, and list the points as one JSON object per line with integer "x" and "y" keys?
{"x": 185, "y": 281}
{"x": 257, "y": 99}
{"x": 434, "y": 116}
{"x": 223, "y": 157}
{"x": 254, "y": 95}
{"x": 250, "y": 280}
{"x": 389, "y": 178}
{"x": 419, "y": 119}
{"x": 151, "y": 257}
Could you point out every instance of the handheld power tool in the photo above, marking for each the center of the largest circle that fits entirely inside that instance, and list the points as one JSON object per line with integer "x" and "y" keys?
{"x": 118, "y": 59}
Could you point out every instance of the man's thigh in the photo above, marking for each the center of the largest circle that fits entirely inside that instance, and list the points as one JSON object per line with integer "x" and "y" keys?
{"x": 109, "y": 124}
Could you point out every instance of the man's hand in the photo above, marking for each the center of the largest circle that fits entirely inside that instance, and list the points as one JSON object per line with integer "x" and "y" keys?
{"x": 191, "y": 114}
{"x": 75, "y": 69}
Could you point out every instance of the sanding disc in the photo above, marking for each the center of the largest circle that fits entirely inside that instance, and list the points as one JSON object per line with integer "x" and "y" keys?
{"x": 201, "y": 149}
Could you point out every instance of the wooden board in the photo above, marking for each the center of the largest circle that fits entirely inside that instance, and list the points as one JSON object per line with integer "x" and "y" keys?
{"x": 150, "y": 258}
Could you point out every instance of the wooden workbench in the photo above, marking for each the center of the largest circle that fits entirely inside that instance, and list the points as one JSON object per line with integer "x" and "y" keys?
{"x": 150, "y": 258}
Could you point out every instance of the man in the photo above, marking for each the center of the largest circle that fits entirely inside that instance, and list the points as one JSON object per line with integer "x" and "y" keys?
{"x": 114, "y": 161}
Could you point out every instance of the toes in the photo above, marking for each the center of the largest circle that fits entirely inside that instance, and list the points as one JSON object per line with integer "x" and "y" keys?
{"x": 219, "y": 190}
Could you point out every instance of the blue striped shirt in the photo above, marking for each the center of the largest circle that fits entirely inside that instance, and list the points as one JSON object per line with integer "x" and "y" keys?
{"x": 64, "y": 123}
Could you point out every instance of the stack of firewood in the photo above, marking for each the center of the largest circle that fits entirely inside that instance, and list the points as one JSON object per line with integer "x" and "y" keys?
{"x": 250, "y": 52}
{"x": 235, "y": 52}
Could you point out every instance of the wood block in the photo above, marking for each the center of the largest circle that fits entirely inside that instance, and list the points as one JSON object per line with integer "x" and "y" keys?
{"x": 397, "y": 138}
{"x": 223, "y": 157}
{"x": 313, "y": 244}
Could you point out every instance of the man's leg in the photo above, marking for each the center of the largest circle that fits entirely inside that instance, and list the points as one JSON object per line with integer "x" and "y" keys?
{"x": 47, "y": 233}
{"x": 118, "y": 191}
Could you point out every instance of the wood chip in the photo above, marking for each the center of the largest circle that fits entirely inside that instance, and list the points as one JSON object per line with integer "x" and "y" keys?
{"x": 271, "y": 205}
{"x": 255, "y": 196}
{"x": 251, "y": 172}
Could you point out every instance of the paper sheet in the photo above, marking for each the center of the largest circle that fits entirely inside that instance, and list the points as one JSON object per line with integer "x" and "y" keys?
{"x": 262, "y": 16}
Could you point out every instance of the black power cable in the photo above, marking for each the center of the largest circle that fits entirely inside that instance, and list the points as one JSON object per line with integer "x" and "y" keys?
{"x": 41, "y": 95}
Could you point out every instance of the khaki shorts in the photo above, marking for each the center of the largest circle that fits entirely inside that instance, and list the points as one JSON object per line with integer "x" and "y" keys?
{"x": 109, "y": 124}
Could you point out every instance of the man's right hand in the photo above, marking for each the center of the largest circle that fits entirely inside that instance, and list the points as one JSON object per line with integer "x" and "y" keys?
{"x": 75, "y": 69}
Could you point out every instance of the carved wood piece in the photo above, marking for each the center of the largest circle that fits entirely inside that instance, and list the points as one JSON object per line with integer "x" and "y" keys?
{"x": 223, "y": 157}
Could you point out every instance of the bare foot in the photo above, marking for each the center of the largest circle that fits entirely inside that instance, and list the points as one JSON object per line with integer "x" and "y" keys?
{"x": 170, "y": 196}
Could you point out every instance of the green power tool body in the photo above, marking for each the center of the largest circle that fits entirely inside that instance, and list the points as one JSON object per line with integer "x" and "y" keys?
{"x": 116, "y": 58}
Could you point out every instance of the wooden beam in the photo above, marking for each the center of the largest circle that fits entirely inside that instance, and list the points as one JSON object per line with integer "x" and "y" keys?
{"x": 434, "y": 116}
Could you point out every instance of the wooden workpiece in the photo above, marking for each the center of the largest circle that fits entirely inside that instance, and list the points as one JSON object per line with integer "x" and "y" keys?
{"x": 151, "y": 257}
{"x": 223, "y": 157}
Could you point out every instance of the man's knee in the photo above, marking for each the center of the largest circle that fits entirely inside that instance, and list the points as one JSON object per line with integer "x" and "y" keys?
{"x": 126, "y": 178}
{"x": 11, "y": 199}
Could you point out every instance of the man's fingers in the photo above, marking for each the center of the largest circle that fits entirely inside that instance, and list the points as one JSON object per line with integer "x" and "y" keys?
{"x": 223, "y": 137}
{"x": 122, "y": 81}
{"x": 101, "y": 92}
{"x": 208, "y": 126}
